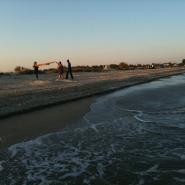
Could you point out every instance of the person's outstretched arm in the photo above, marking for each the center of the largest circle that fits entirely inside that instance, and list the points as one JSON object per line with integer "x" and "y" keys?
{"x": 43, "y": 64}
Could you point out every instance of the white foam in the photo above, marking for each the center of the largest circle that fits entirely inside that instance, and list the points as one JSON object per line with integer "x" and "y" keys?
{"x": 1, "y": 167}
{"x": 141, "y": 181}
{"x": 181, "y": 171}
{"x": 153, "y": 169}
{"x": 179, "y": 179}
{"x": 138, "y": 117}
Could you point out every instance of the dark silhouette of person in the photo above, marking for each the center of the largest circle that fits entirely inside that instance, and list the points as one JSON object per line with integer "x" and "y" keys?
{"x": 69, "y": 69}
{"x": 36, "y": 69}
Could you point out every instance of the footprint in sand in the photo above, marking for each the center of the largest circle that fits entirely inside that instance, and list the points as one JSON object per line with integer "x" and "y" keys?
{"x": 65, "y": 80}
{"x": 40, "y": 82}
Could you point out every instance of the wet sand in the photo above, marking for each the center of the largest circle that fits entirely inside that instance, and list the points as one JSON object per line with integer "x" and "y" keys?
{"x": 30, "y": 125}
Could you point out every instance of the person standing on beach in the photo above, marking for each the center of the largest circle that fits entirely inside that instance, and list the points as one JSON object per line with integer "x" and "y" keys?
{"x": 69, "y": 69}
{"x": 60, "y": 69}
{"x": 36, "y": 68}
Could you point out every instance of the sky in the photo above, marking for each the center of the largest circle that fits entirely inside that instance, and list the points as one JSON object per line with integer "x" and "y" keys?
{"x": 91, "y": 32}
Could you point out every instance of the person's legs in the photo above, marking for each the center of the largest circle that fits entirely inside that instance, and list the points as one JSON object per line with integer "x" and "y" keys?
{"x": 71, "y": 74}
{"x": 58, "y": 76}
{"x": 67, "y": 74}
{"x": 61, "y": 76}
{"x": 36, "y": 74}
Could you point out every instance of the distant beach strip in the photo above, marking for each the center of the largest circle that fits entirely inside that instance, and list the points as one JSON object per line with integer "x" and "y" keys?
{"x": 20, "y": 93}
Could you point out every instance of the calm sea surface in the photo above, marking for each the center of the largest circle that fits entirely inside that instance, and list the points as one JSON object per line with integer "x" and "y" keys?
{"x": 135, "y": 136}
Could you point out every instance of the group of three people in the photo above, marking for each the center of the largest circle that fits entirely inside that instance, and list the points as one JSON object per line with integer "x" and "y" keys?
{"x": 60, "y": 69}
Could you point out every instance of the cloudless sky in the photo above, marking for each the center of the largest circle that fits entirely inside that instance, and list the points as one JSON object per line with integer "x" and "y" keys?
{"x": 91, "y": 32}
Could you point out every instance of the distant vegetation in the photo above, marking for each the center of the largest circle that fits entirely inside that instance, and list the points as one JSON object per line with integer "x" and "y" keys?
{"x": 97, "y": 68}
{"x": 22, "y": 70}
{"x": 9, "y": 73}
{"x": 101, "y": 68}
{"x": 183, "y": 62}
{"x": 1, "y": 74}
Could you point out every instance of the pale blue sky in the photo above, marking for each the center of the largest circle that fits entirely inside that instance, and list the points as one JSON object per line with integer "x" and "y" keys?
{"x": 91, "y": 31}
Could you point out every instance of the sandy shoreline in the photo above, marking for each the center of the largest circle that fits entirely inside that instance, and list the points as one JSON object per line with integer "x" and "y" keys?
{"x": 30, "y": 125}
{"x": 20, "y": 94}
{"x": 34, "y": 99}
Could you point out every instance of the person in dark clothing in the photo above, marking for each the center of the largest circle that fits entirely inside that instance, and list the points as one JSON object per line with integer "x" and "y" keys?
{"x": 36, "y": 69}
{"x": 69, "y": 70}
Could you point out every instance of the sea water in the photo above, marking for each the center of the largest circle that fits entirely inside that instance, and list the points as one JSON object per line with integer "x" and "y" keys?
{"x": 134, "y": 136}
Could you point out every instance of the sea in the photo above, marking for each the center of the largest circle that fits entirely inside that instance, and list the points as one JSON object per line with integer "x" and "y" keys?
{"x": 134, "y": 136}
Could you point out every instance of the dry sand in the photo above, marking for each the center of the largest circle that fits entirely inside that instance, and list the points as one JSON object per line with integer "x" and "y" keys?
{"x": 22, "y": 93}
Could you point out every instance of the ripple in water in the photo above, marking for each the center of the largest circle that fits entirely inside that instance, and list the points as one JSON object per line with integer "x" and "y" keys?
{"x": 132, "y": 137}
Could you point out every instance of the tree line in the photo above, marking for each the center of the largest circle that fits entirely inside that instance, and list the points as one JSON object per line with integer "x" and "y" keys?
{"x": 100, "y": 68}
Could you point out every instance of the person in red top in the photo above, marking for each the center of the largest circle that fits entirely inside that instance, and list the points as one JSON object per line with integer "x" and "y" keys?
{"x": 60, "y": 69}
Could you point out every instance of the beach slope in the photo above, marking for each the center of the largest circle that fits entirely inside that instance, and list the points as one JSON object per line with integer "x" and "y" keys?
{"x": 22, "y": 93}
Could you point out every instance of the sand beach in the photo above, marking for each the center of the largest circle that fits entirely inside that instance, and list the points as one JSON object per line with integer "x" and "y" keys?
{"x": 131, "y": 136}
{"x": 29, "y": 106}
{"x": 22, "y": 93}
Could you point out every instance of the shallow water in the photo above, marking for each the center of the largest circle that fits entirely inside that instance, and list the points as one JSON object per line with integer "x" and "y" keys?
{"x": 134, "y": 136}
